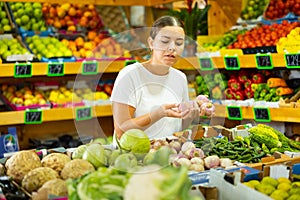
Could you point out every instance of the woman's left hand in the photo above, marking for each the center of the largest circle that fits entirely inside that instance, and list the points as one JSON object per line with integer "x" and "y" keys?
{"x": 193, "y": 112}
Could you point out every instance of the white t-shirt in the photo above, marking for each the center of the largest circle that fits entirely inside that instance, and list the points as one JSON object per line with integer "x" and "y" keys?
{"x": 138, "y": 87}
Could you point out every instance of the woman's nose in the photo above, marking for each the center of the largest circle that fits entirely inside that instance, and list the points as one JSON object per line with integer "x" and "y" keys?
{"x": 171, "y": 46}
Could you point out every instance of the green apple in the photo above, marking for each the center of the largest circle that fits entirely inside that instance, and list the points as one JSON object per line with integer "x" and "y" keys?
{"x": 49, "y": 54}
{"x": 43, "y": 28}
{"x": 2, "y": 14}
{"x": 68, "y": 53}
{"x": 27, "y": 4}
{"x": 13, "y": 7}
{"x": 5, "y": 21}
{"x": 40, "y": 47}
{"x": 37, "y": 13}
{"x": 25, "y": 19}
{"x": 18, "y": 6}
{"x": 6, "y": 54}
{"x": 7, "y": 28}
{"x": 59, "y": 54}
{"x": 35, "y": 27}
{"x": 37, "y": 5}
{"x": 20, "y": 12}
{"x": 18, "y": 21}
{"x": 28, "y": 10}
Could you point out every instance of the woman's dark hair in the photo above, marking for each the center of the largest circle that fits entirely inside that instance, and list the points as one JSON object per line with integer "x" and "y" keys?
{"x": 162, "y": 22}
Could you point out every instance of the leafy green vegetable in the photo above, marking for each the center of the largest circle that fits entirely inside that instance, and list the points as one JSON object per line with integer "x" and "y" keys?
{"x": 135, "y": 141}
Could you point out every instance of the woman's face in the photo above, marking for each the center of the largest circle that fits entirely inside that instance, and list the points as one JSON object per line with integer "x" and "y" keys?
{"x": 168, "y": 45}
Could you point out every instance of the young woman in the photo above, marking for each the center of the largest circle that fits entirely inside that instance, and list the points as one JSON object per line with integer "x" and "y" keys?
{"x": 147, "y": 95}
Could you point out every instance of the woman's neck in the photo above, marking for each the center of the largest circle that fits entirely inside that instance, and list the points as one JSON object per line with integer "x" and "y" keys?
{"x": 157, "y": 69}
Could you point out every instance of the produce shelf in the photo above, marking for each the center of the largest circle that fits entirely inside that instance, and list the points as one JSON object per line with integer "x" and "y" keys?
{"x": 57, "y": 114}
{"x": 40, "y": 68}
{"x": 191, "y": 63}
{"x": 276, "y": 114}
{"x": 103, "y": 2}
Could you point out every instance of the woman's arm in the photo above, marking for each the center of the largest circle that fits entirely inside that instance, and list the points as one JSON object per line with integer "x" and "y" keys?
{"x": 124, "y": 120}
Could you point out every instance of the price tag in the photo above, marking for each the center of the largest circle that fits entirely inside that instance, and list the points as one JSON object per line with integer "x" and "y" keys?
{"x": 234, "y": 113}
{"x": 264, "y": 61}
{"x": 261, "y": 114}
{"x": 129, "y": 62}
{"x": 206, "y": 64}
{"x": 89, "y": 67}
{"x": 232, "y": 63}
{"x": 22, "y": 70}
{"x": 83, "y": 113}
{"x": 56, "y": 69}
{"x": 33, "y": 117}
{"x": 292, "y": 60}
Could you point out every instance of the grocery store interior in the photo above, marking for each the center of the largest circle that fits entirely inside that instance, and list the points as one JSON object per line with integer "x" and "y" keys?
{"x": 59, "y": 61}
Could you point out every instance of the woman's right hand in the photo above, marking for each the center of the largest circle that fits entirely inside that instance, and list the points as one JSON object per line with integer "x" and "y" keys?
{"x": 172, "y": 110}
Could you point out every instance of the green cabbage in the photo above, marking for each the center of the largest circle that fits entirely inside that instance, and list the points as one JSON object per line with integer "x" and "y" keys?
{"x": 135, "y": 141}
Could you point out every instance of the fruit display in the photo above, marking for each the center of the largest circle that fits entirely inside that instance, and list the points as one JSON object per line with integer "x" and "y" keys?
{"x": 10, "y": 46}
{"x": 254, "y": 9}
{"x": 95, "y": 45}
{"x": 28, "y": 16}
{"x": 212, "y": 85}
{"x": 47, "y": 47}
{"x": 5, "y": 25}
{"x": 23, "y": 97}
{"x": 265, "y": 35}
{"x": 276, "y": 188}
{"x": 72, "y": 17}
{"x": 63, "y": 96}
{"x": 289, "y": 43}
{"x": 223, "y": 42}
{"x": 280, "y": 8}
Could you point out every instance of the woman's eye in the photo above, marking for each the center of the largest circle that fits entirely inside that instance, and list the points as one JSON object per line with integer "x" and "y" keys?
{"x": 179, "y": 43}
{"x": 165, "y": 42}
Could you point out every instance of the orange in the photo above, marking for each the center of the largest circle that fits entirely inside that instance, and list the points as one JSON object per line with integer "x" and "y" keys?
{"x": 79, "y": 42}
{"x": 92, "y": 35}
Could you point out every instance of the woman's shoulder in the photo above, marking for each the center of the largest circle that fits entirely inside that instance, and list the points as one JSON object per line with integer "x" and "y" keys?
{"x": 131, "y": 68}
{"x": 177, "y": 72}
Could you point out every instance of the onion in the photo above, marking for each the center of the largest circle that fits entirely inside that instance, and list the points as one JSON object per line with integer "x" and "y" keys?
{"x": 207, "y": 109}
{"x": 183, "y": 162}
{"x": 225, "y": 162}
{"x": 196, "y": 167}
{"x": 202, "y": 99}
{"x": 176, "y": 145}
{"x": 187, "y": 146}
{"x": 197, "y": 160}
{"x": 211, "y": 161}
{"x": 196, "y": 152}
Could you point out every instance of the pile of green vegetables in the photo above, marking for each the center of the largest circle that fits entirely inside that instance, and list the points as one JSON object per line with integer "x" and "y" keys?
{"x": 263, "y": 140}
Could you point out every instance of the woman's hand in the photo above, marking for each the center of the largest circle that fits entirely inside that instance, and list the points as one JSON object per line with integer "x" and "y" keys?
{"x": 193, "y": 111}
{"x": 172, "y": 110}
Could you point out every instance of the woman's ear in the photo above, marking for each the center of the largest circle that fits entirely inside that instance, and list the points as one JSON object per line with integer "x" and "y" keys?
{"x": 150, "y": 43}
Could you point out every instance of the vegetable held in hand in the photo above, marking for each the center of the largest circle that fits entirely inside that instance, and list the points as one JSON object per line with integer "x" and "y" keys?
{"x": 207, "y": 109}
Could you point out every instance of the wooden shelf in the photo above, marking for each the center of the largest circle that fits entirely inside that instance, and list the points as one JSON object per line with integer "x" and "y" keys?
{"x": 277, "y": 114}
{"x": 191, "y": 63}
{"x": 103, "y": 2}
{"x": 57, "y": 114}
